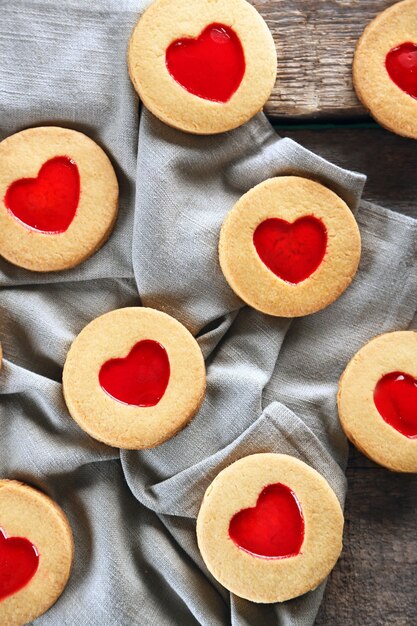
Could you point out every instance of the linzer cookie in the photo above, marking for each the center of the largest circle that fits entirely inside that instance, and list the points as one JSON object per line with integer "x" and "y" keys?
{"x": 134, "y": 377}
{"x": 270, "y": 528}
{"x": 36, "y": 553}
{"x": 203, "y": 66}
{"x": 385, "y": 68}
{"x": 377, "y": 400}
{"x": 58, "y": 198}
{"x": 289, "y": 247}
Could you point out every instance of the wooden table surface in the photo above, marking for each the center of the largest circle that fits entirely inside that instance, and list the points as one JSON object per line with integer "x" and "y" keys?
{"x": 315, "y": 42}
{"x": 375, "y": 581}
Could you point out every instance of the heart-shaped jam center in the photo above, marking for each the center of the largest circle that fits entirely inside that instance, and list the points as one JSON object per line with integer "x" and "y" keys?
{"x": 292, "y": 251}
{"x": 139, "y": 379}
{"x": 395, "y": 397}
{"x": 401, "y": 64}
{"x": 211, "y": 66}
{"x": 19, "y": 561}
{"x": 274, "y": 528}
{"x": 49, "y": 202}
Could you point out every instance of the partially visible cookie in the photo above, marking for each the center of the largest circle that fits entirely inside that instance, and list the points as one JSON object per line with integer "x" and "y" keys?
{"x": 36, "y": 553}
{"x": 134, "y": 377}
{"x": 385, "y": 68}
{"x": 269, "y": 528}
{"x": 289, "y": 247}
{"x": 377, "y": 400}
{"x": 58, "y": 198}
{"x": 202, "y": 66}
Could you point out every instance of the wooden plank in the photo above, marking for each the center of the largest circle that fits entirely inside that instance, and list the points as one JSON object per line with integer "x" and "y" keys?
{"x": 388, "y": 160}
{"x": 315, "y": 41}
{"x": 373, "y": 583}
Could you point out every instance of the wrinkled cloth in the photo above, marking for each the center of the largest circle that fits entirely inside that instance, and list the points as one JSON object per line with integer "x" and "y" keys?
{"x": 271, "y": 382}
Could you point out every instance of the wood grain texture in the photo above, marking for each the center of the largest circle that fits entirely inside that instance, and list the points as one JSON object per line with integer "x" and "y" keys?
{"x": 389, "y": 161}
{"x": 315, "y": 42}
{"x": 374, "y": 582}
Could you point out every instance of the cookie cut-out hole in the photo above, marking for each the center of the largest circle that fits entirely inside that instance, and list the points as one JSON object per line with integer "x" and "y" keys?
{"x": 401, "y": 64}
{"x": 274, "y": 528}
{"x": 141, "y": 378}
{"x": 19, "y": 562}
{"x": 292, "y": 251}
{"x": 395, "y": 397}
{"x": 211, "y": 66}
{"x": 49, "y": 202}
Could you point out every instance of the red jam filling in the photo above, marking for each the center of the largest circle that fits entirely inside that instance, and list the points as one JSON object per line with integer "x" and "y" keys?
{"x": 49, "y": 202}
{"x": 19, "y": 561}
{"x": 395, "y": 397}
{"x": 292, "y": 251}
{"x": 401, "y": 64}
{"x": 141, "y": 378}
{"x": 274, "y": 528}
{"x": 211, "y": 66}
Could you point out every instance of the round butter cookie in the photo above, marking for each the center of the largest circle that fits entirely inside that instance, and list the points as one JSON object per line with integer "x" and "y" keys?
{"x": 385, "y": 68}
{"x": 202, "y": 66}
{"x": 36, "y": 553}
{"x": 58, "y": 198}
{"x": 377, "y": 400}
{"x": 270, "y": 528}
{"x": 134, "y": 377}
{"x": 289, "y": 247}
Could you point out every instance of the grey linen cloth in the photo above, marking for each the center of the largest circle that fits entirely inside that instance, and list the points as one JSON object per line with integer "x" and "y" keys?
{"x": 271, "y": 382}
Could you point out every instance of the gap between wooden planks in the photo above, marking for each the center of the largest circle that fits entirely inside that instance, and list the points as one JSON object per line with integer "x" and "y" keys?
{"x": 315, "y": 42}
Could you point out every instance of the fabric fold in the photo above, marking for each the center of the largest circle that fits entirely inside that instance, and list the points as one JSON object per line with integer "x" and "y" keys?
{"x": 271, "y": 382}
{"x": 276, "y": 430}
{"x": 194, "y": 182}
